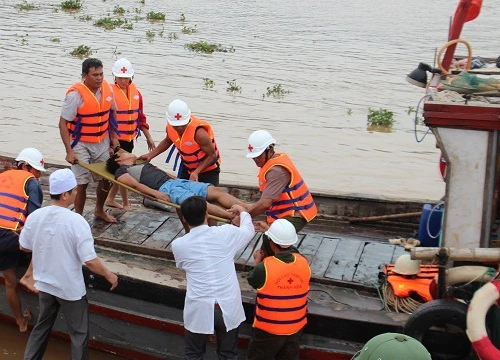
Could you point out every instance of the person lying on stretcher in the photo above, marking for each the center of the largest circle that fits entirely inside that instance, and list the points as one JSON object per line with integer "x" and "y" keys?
{"x": 150, "y": 180}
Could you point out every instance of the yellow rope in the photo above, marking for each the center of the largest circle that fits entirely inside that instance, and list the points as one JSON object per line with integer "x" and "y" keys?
{"x": 448, "y": 44}
{"x": 399, "y": 304}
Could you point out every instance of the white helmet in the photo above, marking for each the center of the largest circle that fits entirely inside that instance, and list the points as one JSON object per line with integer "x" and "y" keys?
{"x": 282, "y": 232}
{"x": 406, "y": 266}
{"x": 258, "y": 142}
{"x": 123, "y": 68}
{"x": 178, "y": 113}
{"x": 33, "y": 157}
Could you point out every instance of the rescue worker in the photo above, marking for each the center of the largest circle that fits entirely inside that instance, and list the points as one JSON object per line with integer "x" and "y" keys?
{"x": 87, "y": 133}
{"x": 393, "y": 346}
{"x": 131, "y": 120}
{"x": 282, "y": 283}
{"x": 284, "y": 194}
{"x": 20, "y": 195}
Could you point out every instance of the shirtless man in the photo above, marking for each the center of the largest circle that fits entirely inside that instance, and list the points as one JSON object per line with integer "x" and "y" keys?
{"x": 150, "y": 180}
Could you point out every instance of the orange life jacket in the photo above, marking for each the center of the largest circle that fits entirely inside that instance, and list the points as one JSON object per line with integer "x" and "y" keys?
{"x": 295, "y": 197}
{"x": 404, "y": 286}
{"x": 13, "y": 199}
{"x": 127, "y": 110}
{"x": 91, "y": 121}
{"x": 281, "y": 306}
{"x": 188, "y": 148}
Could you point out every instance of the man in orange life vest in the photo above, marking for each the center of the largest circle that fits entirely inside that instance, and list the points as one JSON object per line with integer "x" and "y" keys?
{"x": 131, "y": 120}
{"x": 284, "y": 192}
{"x": 20, "y": 195}
{"x": 195, "y": 142}
{"x": 282, "y": 283}
{"x": 87, "y": 126}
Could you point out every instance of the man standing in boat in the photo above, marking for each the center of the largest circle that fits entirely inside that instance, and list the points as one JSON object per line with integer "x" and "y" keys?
{"x": 20, "y": 195}
{"x": 284, "y": 194}
{"x": 282, "y": 283}
{"x": 87, "y": 126}
{"x": 131, "y": 120}
{"x": 61, "y": 241}
{"x": 213, "y": 297}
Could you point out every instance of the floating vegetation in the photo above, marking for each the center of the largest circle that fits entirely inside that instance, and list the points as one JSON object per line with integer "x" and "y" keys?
{"x": 55, "y": 40}
{"x": 206, "y": 47}
{"x": 24, "y": 39}
{"x": 85, "y": 18}
{"x": 109, "y": 23}
{"x": 118, "y": 10}
{"x": 71, "y": 5}
{"x": 150, "y": 35}
{"x": 142, "y": 2}
{"x": 418, "y": 119}
{"x": 172, "y": 36}
{"x": 233, "y": 87}
{"x": 116, "y": 52}
{"x": 161, "y": 32}
{"x": 183, "y": 17}
{"x": 128, "y": 26}
{"x": 81, "y": 51}
{"x": 277, "y": 92}
{"x": 155, "y": 16}
{"x": 208, "y": 84}
{"x": 349, "y": 112}
{"x": 380, "y": 118}
{"x": 26, "y": 6}
{"x": 189, "y": 30}
{"x": 138, "y": 11}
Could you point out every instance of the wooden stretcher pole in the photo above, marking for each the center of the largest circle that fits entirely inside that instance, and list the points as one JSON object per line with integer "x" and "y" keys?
{"x": 469, "y": 254}
{"x": 385, "y": 217}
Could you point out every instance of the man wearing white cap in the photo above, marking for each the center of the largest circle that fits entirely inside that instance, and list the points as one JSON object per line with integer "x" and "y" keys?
{"x": 20, "y": 195}
{"x": 61, "y": 241}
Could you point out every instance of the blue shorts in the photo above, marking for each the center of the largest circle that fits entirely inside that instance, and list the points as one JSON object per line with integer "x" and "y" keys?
{"x": 179, "y": 189}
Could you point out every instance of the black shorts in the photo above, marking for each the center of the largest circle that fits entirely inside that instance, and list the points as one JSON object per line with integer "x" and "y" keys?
{"x": 209, "y": 177}
{"x": 9, "y": 249}
{"x": 127, "y": 145}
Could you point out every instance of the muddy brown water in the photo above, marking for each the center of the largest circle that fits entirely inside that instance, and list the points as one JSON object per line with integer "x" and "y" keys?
{"x": 337, "y": 59}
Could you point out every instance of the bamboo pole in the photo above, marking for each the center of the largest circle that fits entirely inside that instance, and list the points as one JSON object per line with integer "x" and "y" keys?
{"x": 385, "y": 217}
{"x": 467, "y": 254}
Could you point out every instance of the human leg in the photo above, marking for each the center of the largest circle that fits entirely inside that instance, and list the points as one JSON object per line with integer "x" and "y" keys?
{"x": 77, "y": 319}
{"x": 110, "y": 199}
{"x": 81, "y": 197}
{"x": 13, "y": 299}
{"x": 227, "y": 341}
{"x": 28, "y": 281}
{"x": 291, "y": 347}
{"x": 264, "y": 346}
{"x": 39, "y": 337}
{"x": 225, "y": 199}
{"x": 194, "y": 345}
{"x": 102, "y": 192}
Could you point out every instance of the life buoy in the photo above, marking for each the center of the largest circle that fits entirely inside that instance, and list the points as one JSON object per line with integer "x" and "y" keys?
{"x": 483, "y": 299}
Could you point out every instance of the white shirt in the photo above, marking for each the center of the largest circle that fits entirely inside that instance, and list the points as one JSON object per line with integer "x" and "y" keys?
{"x": 207, "y": 255}
{"x": 61, "y": 241}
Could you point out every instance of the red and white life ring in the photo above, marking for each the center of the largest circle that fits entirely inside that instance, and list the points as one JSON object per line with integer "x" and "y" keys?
{"x": 483, "y": 299}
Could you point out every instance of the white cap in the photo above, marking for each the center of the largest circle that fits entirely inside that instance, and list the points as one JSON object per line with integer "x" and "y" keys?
{"x": 61, "y": 181}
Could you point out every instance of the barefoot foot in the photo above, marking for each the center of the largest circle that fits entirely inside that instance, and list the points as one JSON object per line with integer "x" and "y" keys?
{"x": 23, "y": 323}
{"x": 104, "y": 216}
{"x": 114, "y": 204}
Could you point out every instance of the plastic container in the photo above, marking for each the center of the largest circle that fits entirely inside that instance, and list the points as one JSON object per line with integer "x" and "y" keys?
{"x": 430, "y": 225}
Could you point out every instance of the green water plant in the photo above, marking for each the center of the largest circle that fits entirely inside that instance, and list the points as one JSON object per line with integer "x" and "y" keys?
{"x": 205, "y": 47}
{"x": 150, "y": 35}
{"x": 82, "y": 51}
{"x": 349, "y": 112}
{"x": 233, "y": 87}
{"x": 26, "y": 6}
{"x": 183, "y": 17}
{"x": 118, "y": 10}
{"x": 189, "y": 30}
{"x": 208, "y": 84}
{"x": 85, "y": 18}
{"x": 380, "y": 117}
{"x": 55, "y": 40}
{"x": 155, "y": 16}
{"x": 277, "y": 91}
{"x": 71, "y": 5}
{"x": 172, "y": 36}
{"x": 108, "y": 23}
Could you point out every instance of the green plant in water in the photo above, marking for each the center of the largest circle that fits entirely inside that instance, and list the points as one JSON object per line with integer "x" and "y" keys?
{"x": 189, "y": 30}
{"x": 233, "y": 87}
{"x": 183, "y": 17}
{"x": 128, "y": 26}
{"x": 172, "y": 36}
{"x": 380, "y": 117}
{"x": 118, "y": 10}
{"x": 410, "y": 110}
{"x": 155, "y": 16}
{"x": 277, "y": 91}
{"x": 142, "y": 2}
{"x": 109, "y": 23}
{"x": 85, "y": 18}
{"x": 161, "y": 32}
{"x": 81, "y": 51}
{"x": 349, "y": 112}
{"x": 208, "y": 84}
{"x": 205, "y": 47}
{"x": 71, "y": 5}
{"x": 150, "y": 35}
{"x": 55, "y": 40}
{"x": 26, "y": 6}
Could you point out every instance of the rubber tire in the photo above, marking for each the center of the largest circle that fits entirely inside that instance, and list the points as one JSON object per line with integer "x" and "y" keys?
{"x": 438, "y": 313}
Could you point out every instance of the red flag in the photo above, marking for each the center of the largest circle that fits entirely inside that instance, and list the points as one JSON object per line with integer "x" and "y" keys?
{"x": 474, "y": 10}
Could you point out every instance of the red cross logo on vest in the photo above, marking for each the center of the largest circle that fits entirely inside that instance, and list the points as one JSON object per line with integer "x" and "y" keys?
{"x": 123, "y": 69}
{"x": 290, "y": 281}
{"x": 178, "y": 116}
{"x": 250, "y": 148}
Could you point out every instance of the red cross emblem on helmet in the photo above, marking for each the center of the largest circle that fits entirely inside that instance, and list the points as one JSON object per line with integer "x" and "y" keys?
{"x": 178, "y": 116}
{"x": 250, "y": 147}
{"x": 123, "y": 69}
{"x": 42, "y": 162}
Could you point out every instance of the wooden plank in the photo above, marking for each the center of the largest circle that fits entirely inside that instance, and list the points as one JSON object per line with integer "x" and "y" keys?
{"x": 146, "y": 228}
{"x": 323, "y": 256}
{"x": 165, "y": 234}
{"x": 309, "y": 246}
{"x": 374, "y": 255}
{"x": 127, "y": 222}
{"x": 345, "y": 260}
{"x": 246, "y": 256}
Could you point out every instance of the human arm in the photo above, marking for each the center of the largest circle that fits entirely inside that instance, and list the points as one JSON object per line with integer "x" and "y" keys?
{"x": 207, "y": 146}
{"x": 257, "y": 276}
{"x": 65, "y": 137}
{"x": 162, "y": 147}
{"x": 277, "y": 179}
{"x": 35, "y": 195}
{"x": 133, "y": 183}
{"x": 149, "y": 139}
{"x": 97, "y": 267}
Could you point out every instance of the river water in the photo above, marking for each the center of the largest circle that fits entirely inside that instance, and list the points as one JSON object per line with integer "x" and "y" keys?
{"x": 337, "y": 59}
